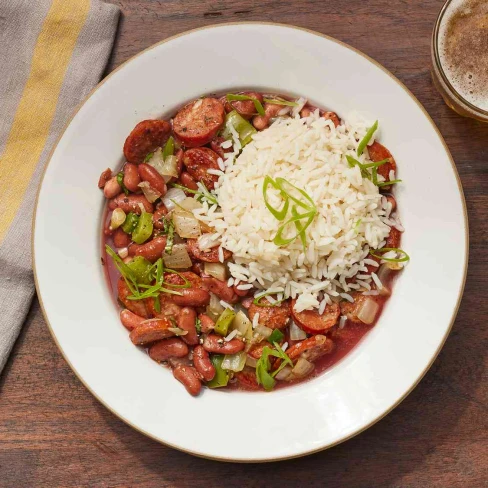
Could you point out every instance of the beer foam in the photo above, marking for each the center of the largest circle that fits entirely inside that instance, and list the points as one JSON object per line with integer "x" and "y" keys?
{"x": 463, "y": 49}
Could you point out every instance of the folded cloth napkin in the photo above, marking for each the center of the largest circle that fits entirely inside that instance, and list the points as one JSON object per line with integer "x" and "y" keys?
{"x": 52, "y": 53}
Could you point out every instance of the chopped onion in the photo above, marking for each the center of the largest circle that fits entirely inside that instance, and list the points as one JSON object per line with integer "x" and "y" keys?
{"x": 208, "y": 241}
{"x": 190, "y": 204}
{"x": 263, "y": 330}
{"x": 284, "y": 373}
{"x": 217, "y": 270}
{"x": 186, "y": 225}
{"x": 165, "y": 167}
{"x": 367, "y": 311}
{"x": 302, "y": 368}
{"x": 117, "y": 219}
{"x": 296, "y": 334}
{"x": 234, "y": 362}
{"x": 149, "y": 192}
{"x": 179, "y": 257}
{"x": 177, "y": 331}
{"x": 242, "y": 324}
{"x": 384, "y": 275}
{"x": 123, "y": 252}
{"x": 250, "y": 361}
{"x": 214, "y": 308}
{"x": 173, "y": 195}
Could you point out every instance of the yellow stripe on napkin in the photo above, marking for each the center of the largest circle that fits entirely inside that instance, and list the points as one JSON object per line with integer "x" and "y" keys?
{"x": 36, "y": 109}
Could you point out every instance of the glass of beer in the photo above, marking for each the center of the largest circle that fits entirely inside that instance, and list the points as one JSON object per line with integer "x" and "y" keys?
{"x": 460, "y": 57}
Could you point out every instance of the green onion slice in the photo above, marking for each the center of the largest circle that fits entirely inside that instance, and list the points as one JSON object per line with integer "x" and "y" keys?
{"x": 120, "y": 181}
{"x": 282, "y": 184}
{"x": 388, "y": 183}
{"x": 169, "y": 147}
{"x": 279, "y": 240}
{"x": 276, "y": 336}
{"x": 200, "y": 195}
{"x": 378, "y": 253}
{"x": 277, "y": 214}
{"x": 257, "y": 300}
{"x": 242, "y": 98}
{"x": 276, "y": 101}
{"x": 364, "y": 141}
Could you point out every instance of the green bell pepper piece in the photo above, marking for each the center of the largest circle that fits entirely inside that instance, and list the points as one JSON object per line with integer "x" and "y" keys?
{"x": 223, "y": 322}
{"x": 241, "y": 125}
{"x": 143, "y": 229}
{"x": 141, "y": 268}
{"x": 130, "y": 222}
{"x": 169, "y": 147}
{"x": 221, "y": 377}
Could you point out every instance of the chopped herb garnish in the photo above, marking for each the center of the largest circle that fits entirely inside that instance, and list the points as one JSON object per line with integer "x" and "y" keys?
{"x": 157, "y": 304}
{"x": 257, "y": 300}
{"x": 120, "y": 181}
{"x": 198, "y": 325}
{"x": 276, "y": 336}
{"x": 169, "y": 228}
{"x": 364, "y": 141}
{"x": 263, "y": 366}
{"x": 378, "y": 253}
{"x": 200, "y": 195}
{"x": 169, "y": 148}
{"x": 279, "y": 101}
{"x": 130, "y": 222}
{"x": 388, "y": 183}
{"x": 148, "y": 157}
{"x": 241, "y": 98}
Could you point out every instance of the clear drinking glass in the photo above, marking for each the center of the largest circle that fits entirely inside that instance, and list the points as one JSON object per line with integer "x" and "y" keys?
{"x": 464, "y": 25}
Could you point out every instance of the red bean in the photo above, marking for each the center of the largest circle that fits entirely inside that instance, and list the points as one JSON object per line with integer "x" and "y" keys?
{"x": 202, "y": 363}
{"x": 152, "y": 330}
{"x": 104, "y": 177}
{"x": 136, "y": 306}
{"x": 186, "y": 321}
{"x": 215, "y": 343}
{"x": 220, "y": 289}
{"x": 151, "y": 250}
{"x": 130, "y": 320}
{"x": 131, "y": 177}
{"x": 131, "y": 203}
{"x": 189, "y": 378}
{"x": 158, "y": 215}
{"x": 207, "y": 323}
{"x": 168, "y": 348}
{"x": 187, "y": 180}
{"x": 155, "y": 180}
{"x": 192, "y": 297}
{"x": 240, "y": 293}
{"x": 121, "y": 239}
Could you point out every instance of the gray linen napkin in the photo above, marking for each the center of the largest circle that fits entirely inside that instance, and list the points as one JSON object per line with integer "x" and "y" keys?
{"x": 52, "y": 53}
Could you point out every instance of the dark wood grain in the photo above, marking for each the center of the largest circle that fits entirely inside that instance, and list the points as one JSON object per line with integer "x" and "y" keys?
{"x": 54, "y": 433}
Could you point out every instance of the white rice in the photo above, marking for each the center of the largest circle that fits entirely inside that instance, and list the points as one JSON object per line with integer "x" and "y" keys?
{"x": 309, "y": 153}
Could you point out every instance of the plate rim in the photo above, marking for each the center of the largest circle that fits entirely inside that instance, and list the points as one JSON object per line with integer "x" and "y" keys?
{"x": 460, "y": 291}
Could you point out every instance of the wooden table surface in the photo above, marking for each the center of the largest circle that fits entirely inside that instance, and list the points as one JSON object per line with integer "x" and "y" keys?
{"x": 54, "y": 433}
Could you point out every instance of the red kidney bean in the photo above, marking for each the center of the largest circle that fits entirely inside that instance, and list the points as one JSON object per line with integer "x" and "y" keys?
{"x": 151, "y": 250}
{"x": 392, "y": 200}
{"x": 179, "y": 161}
{"x": 151, "y": 330}
{"x": 207, "y": 323}
{"x": 121, "y": 239}
{"x": 160, "y": 212}
{"x": 155, "y": 180}
{"x": 188, "y": 181}
{"x": 220, "y": 289}
{"x": 260, "y": 122}
{"x": 146, "y": 136}
{"x": 191, "y": 297}
{"x": 246, "y": 107}
{"x": 215, "y": 343}
{"x": 332, "y": 116}
{"x": 104, "y": 177}
{"x": 188, "y": 377}
{"x": 202, "y": 363}
{"x": 240, "y": 293}
{"x": 168, "y": 348}
{"x": 130, "y": 203}
{"x": 131, "y": 177}
{"x": 112, "y": 188}
{"x": 186, "y": 321}
{"x": 130, "y": 320}
{"x": 247, "y": 302}
{"x": 393, "y": 239}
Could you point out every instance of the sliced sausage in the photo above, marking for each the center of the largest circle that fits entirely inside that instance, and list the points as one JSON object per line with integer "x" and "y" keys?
{"x": 246, "y": 108}
{"x": 216, "y": 344}
{"x": 131, "y": 203}
{"x": 198, "y": 161}
{"x": 189, "y": 378}
{"x": 131, "y": 177}
{"x": 151, "y": 250}
{"x": 151, "y": 330}
{"x": 168, "y": 348}
{"x": 104, "y": 177}
{"x": 136, "y": 306}
{"x": 197, "y": 123}
{"x": 186, "y": 321}
{"x": 314, "y": 323}
{"x": 378, "y": 152}
{"x": 394, "y": 237}
{"x": 151, "y": 175}
{"x": 311, "y": 348}
{"x": 202, "y": 363}
{"x": 211, "y": 256}
{"x": 146, "y": 136}
{"x": 273, "y": 317}
{"x": 220, "y": 289}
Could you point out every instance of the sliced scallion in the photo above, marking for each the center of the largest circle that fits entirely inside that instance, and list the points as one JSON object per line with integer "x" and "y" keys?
{"x": 364, "y": 141}
{"x": 243, "y": 98}
{"x": 378, "y": 253}
{"x": 277, "y": 214}
{"x": 276, "y": 101}
{"x": 388, "y": 183}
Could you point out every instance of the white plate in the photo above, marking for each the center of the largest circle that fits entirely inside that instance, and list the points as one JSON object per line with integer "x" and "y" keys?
{"x": 295, "y": 421}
